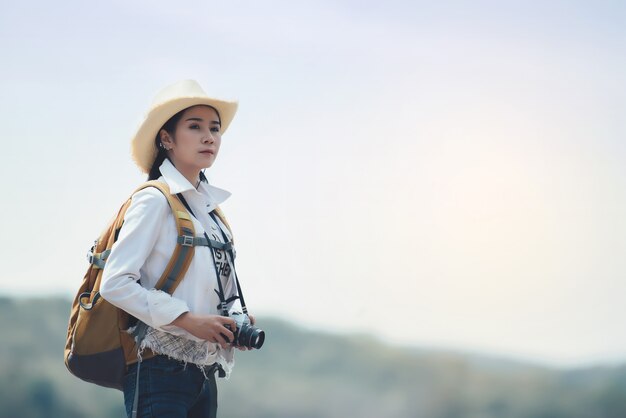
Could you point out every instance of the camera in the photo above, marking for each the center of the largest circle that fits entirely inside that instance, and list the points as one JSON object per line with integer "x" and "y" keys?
{"x": 246, "y": 335}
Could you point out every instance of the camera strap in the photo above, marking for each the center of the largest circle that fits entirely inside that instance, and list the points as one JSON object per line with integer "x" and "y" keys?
{"x": 229, "y": 251}
{"x": 223, "y": 306}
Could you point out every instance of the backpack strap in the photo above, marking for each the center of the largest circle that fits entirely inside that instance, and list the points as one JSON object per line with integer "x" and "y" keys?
{"x": 220, "y": 215}
{"x": 183, "y": 253}
{"x": 185, "y": 242}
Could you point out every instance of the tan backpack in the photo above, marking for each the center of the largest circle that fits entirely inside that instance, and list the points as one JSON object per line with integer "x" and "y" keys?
{"x": 98, "y": 347}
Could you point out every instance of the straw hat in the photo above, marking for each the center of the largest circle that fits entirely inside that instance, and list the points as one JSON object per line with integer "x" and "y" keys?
{"x": 169, "y": 101}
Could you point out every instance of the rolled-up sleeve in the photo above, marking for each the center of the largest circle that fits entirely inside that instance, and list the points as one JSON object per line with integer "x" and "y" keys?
{"x": 143, "y": 223}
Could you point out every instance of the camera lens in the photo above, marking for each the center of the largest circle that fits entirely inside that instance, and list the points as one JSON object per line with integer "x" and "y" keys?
{"x": 251, "y": 337}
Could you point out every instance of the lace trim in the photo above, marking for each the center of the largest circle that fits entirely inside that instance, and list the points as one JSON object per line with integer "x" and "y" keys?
{"x": 200, "y": 353}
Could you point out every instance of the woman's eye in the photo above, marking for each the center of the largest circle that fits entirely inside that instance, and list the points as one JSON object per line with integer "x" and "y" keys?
{"x": 194, "y": 126}
{"x": 215, "y": 129}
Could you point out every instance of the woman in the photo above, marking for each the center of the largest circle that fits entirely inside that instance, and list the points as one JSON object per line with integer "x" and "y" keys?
{"x": 187, "y": 339}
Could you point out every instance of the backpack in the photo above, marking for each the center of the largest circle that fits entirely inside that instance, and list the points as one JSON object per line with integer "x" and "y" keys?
{"x": 98, "y": 346}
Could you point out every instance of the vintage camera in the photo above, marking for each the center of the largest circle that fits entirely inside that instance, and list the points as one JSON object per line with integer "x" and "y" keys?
{"x": 247, "y": 335}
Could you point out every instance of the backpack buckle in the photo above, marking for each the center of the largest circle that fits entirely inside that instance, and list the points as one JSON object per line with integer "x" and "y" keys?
{"x": 187, "y": 241}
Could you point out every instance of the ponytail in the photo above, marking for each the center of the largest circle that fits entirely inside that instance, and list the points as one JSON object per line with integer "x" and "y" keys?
{"x": 155, "y": 173}
{"x": 170, "y": 128}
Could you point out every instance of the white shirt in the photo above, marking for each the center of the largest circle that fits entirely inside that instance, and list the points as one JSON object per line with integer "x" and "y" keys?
{"x": 145, "y": 245}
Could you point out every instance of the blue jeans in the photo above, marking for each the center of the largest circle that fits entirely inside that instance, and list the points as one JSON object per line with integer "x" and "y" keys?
{"x": 168, "y": 388}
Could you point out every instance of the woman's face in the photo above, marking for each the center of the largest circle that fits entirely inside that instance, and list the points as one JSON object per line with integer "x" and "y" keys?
{"x": 196, "y": 141}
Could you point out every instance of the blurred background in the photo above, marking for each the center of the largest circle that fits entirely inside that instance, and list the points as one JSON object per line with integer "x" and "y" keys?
{"x": 427, "y": 197}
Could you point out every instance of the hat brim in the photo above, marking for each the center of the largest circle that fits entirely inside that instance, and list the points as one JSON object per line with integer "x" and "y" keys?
{"x": 143, "y": 148}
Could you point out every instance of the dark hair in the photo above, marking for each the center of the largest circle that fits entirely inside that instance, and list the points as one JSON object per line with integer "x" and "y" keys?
{"x": 170, "y": 128}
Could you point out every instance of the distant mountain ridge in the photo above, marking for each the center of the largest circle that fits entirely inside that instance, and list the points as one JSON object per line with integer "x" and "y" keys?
{"x": 300, "y": 373}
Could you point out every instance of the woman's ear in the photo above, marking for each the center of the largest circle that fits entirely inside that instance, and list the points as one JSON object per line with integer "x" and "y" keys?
{"x": 166, "y": 139}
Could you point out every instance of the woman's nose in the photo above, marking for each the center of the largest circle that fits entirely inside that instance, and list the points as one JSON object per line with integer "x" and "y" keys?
{"x": 208, "y": 137}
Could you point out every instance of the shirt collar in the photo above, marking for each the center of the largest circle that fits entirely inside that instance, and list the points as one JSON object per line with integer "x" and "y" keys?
{"x": 179, "y": 184}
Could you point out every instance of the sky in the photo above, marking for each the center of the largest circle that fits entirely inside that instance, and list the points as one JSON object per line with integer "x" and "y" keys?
{"x": 437, "y": 174}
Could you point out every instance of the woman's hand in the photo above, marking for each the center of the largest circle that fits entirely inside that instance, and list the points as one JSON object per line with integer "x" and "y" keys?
{"x": 211, "y": 328}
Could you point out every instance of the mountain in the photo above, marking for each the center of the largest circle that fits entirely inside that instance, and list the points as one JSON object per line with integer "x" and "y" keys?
{"x": 301, "y": 373}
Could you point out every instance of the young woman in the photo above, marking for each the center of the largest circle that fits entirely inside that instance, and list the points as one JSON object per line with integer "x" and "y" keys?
{"x": 187, "y": 339}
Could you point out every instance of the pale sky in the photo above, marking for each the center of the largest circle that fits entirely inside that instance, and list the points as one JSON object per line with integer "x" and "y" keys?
{"x": 442, "y": 175}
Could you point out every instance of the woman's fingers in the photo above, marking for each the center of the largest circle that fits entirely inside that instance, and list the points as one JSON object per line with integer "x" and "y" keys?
{"x": 229, "y": 322}
{"x": 222, "y": 334}
{"x": 221, "y": 340}
{"x": 214, "y": 328}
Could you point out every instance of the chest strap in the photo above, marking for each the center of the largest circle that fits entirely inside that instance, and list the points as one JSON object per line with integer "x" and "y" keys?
{"x": 189, "y": 241}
